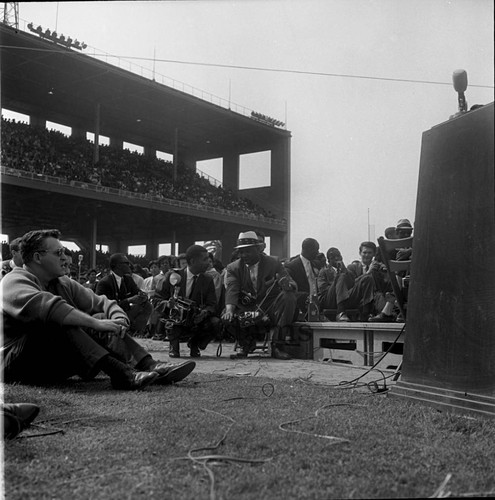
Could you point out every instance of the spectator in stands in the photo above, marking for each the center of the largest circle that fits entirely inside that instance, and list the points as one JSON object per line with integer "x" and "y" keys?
{"x": 91, "y": 280}
{"x": 257, "y": 282}
{"x": 303, "y": 271}
{"x": 120, "y": 286}
{"x": 55, "y": 328}
{"x": 192, "y": 283}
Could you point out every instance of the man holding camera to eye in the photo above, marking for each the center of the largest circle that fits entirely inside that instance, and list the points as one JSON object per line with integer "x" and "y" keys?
{"x": 120, "y": 286}
{"x": 190, "y": 304}
{"x": 258, "y": 285}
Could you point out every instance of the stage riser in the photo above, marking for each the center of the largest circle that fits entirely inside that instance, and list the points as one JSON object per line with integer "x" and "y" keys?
{"x": 357, "y": 343}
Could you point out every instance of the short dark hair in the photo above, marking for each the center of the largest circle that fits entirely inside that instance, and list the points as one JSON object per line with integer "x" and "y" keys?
{"x": 33, "y": 241}
{"x": 332, "y": 251}
{"x": 164, "y": 258}
{"x": 116, "y": 259}
{"x": 89, "y": 271}
{"x": 309, "y": 243}
{"x": 194, "y": 251}
{"x": 367, "y": 244}
{"x": 153, "y": 263}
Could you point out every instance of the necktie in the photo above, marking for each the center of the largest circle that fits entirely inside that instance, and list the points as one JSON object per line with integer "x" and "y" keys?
{"x": 194, "y": 278}
{"x": 366, "y": 268}
{"x": 123, "y": 289}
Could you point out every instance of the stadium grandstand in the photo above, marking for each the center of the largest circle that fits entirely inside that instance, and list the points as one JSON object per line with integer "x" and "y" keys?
{"x": 106, "y": 195}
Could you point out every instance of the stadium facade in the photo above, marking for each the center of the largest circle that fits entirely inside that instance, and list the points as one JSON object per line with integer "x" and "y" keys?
{"x": 50, "y": 82}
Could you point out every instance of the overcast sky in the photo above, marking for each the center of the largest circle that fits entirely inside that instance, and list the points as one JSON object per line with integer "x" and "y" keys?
{"x": 355, "y": 141}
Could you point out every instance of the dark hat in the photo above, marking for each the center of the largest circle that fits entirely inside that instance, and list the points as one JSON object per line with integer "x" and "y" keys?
{"x": 248, "y": 239}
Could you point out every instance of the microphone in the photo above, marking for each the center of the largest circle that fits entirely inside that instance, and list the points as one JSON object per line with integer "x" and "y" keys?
{"x": 81, "y": 258}
{"x": 460, "y": 81}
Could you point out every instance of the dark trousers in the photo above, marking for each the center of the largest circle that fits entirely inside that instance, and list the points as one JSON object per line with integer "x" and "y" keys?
{"x": 281, "y": 311}
{"x": 199, "y": 336}
{"x": 358, "y": 296}
{"x": 50, "y": 353}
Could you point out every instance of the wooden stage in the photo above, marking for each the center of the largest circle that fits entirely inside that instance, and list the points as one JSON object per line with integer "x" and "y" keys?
{"x": 356, "y": 343}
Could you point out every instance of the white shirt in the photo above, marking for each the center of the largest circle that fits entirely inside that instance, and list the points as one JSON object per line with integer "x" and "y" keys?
{"x": 118, "y": 279}
{"x": 310, "y": 273}
{"x": 253, "y": 272}
{"x": 189, "y": 281}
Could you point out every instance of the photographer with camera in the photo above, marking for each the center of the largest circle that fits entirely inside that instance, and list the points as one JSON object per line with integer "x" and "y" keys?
{"x": 189, "y": 304}
{"x": 259, "y": 291}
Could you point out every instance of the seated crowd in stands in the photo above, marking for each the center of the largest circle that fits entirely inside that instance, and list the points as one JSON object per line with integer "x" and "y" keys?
{"x": 47, "y": 152}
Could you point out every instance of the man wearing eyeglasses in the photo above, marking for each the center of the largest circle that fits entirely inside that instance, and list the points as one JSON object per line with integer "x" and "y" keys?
{"x": 120, "y": 286}
{"x": 55, "y": 328}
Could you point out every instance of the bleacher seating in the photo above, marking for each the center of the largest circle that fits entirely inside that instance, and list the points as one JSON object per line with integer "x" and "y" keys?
{"x": 48, "y": 152}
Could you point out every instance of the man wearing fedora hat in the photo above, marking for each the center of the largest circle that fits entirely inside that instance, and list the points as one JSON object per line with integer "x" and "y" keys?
{"x": 258, "y": 282}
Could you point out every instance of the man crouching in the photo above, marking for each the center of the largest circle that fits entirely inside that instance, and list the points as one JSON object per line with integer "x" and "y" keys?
{"x": 258, "y": 283}
{"x": 55, "y": 328}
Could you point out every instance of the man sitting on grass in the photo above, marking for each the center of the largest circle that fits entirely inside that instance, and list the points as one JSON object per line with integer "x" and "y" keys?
{"x": 55, "y": 328}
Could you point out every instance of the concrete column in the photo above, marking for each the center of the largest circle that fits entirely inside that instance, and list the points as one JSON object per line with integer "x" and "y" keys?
{"x": 230, "y": 172}
{"x": 37, "y": 121}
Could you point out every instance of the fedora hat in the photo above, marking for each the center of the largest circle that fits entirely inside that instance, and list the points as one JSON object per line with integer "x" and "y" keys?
{"x": 403, "y": 224}
{"x": 247, "y": 239}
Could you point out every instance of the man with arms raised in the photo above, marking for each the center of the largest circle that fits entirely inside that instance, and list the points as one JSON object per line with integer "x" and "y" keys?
{"x": 55, "y": 328}
{"x": 258, "y": 282}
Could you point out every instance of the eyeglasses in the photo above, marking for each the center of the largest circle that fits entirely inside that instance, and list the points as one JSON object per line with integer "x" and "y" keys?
{"x": 60, "y": 251}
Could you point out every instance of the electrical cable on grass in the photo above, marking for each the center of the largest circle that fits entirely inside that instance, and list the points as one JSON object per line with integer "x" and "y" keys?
{"x": 334, "y": 439}
{"x": 203, "y": 460}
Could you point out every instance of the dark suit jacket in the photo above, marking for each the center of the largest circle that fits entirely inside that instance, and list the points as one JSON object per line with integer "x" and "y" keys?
{"x": 238, "y": 279}
{"x": 298, "y": 273}
{"x": 203, "y": 292}
{"x": 108, "y": 286}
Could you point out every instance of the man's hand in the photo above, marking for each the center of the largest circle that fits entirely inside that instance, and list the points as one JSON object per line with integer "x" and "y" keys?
{"x": 114, "y": 326}
{"x": 284, "y": 283}
{"x": 228, "y": 314}
{"x": 201, "y": 316}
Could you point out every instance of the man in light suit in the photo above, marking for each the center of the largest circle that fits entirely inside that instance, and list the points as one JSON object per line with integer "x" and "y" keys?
{"x": 194, "y": 285}
{"x": 258, "y": 282}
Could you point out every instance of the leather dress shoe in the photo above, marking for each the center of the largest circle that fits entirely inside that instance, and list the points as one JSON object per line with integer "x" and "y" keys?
{"x": 17, "y": 417}
{"x": 195, "y": 351}
{"x": 242, "y": 354}
{"x": 169, "y": 373}
{"x": 342, "y": 317}
{"x": 278, "y": 354}
{"x": 382, "y": 318}
{"x": 137, "y": 380}
{"x": 174, "y": 354}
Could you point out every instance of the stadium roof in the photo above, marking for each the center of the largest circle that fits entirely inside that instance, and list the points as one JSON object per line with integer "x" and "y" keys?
{"x": 40, "y": 77}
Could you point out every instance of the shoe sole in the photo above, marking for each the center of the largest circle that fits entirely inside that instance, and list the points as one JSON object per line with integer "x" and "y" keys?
{"x": 176, "y": 374}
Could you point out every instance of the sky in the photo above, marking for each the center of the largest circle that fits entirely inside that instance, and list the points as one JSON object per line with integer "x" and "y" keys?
{"x": 354, "y": 88}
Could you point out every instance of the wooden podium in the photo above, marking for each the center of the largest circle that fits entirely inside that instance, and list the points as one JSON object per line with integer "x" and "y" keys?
{"x": 449, "y": 350}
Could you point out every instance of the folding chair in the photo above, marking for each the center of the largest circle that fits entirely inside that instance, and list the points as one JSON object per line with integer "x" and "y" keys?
{"x": 394, "y": 266}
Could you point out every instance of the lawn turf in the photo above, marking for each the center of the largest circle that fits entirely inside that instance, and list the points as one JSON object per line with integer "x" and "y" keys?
{"x": 337, "y": 443}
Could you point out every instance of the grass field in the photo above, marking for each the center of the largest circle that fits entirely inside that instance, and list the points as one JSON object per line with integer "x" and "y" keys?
{"x": 213, "y": 437}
